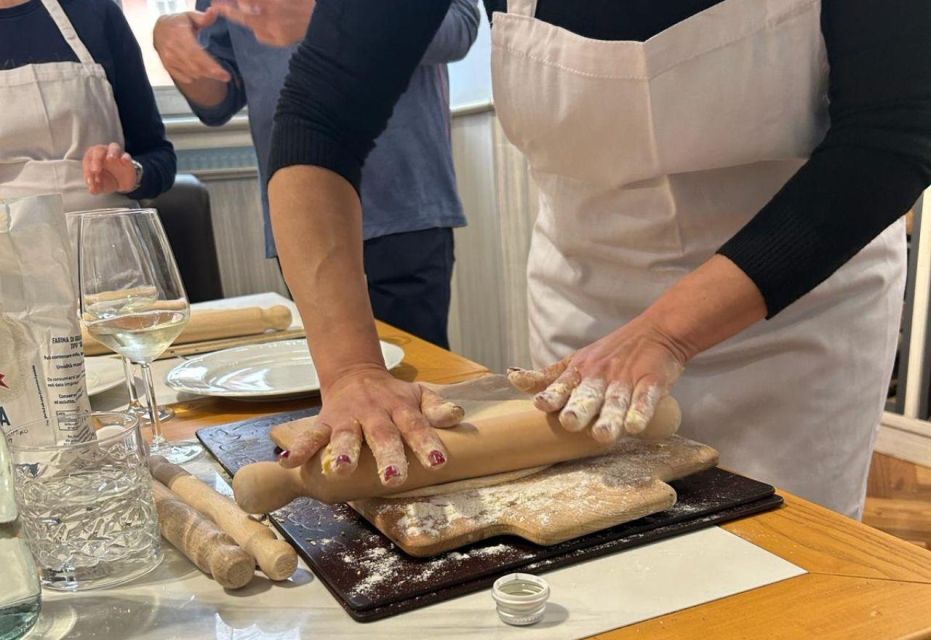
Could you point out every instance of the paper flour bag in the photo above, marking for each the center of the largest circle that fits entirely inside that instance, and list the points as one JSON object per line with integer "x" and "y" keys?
{"x": 41, "y": 355}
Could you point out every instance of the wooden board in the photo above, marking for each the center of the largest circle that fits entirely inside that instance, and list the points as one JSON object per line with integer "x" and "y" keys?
{"x": 563, "y": 502}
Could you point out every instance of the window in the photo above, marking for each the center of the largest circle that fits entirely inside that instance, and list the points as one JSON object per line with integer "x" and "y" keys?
{"x": 141, "y": 15}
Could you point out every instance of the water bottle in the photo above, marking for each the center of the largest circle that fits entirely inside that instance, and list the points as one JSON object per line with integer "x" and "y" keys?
{"x": 20, "y": 595}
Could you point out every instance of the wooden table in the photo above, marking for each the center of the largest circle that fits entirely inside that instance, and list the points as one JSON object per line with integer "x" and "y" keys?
{"x": 861, "y": 583}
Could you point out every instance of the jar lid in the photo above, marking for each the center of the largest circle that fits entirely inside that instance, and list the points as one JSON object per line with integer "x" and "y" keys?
{"x": 521, "y": 598}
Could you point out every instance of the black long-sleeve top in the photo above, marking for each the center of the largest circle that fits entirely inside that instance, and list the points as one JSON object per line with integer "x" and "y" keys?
{"x": 870, "y": 168}
{"x": 28, "y": 35}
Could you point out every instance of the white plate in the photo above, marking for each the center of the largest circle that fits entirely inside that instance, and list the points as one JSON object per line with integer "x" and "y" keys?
{"x": 274, "y": 370}
{"x": 103, "y": 374}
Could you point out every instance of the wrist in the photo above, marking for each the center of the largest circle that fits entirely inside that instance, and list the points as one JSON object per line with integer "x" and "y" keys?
{"x": 706, "y": 307}
{"x": 137, "y": 181}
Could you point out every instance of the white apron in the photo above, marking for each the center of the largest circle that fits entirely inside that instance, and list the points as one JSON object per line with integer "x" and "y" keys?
{"x": 52, "y": 113}
{"x": 649, "y": 156}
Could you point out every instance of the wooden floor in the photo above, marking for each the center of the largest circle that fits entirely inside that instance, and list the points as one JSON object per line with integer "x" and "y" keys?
{"x": 899, "y": 499}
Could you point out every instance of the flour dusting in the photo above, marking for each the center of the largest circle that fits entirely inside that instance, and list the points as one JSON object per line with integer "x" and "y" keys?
{"x": 569, "y": 492}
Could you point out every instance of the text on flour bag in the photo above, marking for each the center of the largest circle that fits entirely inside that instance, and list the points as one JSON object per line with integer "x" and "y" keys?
{"x": 41, "y": 355}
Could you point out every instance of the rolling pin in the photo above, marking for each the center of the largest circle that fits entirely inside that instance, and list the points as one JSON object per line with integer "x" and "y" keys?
{"x": 275, "y": 557}
{"x": 214, "y": 324}
{"x": 494, "y": 444}
{"x": 214, "y": 552}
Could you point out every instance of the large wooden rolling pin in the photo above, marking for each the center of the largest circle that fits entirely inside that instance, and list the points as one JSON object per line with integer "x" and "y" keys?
{"x": 495, "y": 444}
{"x": 214, "y": 552}
{"x": 215, "y": 324}
{"x": 275, "y": 557}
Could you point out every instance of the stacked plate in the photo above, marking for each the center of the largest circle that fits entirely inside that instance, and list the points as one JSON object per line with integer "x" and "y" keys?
{"x": 271, "y": 371}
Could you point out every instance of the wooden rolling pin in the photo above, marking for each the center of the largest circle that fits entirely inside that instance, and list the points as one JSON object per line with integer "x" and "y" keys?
{"x": 216, "y": 324}
{"x": 495, "y": 444}
{"x": 214, "y": 552}
{"x": 275, "y": 557}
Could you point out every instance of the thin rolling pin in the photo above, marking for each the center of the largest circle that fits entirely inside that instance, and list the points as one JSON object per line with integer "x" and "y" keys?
{"x": 214, "y": 552}
{"x": 520, "y": 440}
{"x": 276, "y": 558}
{"x": 216, "y": 324}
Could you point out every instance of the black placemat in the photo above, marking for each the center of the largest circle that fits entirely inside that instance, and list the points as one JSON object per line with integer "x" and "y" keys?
{"x": 373, "y": 579}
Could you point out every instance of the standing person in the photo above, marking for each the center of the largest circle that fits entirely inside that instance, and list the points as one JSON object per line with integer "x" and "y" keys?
{"x": 703, "y": 165}
{"x": 79, "y": 116}
{"x": 408, "y": 190}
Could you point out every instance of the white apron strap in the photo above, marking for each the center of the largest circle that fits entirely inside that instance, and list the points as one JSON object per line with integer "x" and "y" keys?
{"x": 523, "y": 7}
{"x": 68, "y": 32}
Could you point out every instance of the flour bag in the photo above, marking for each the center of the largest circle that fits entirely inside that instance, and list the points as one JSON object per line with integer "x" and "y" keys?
{"x": 41, "y": 354}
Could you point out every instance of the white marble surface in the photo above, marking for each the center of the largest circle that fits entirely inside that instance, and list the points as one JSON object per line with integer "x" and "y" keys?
{"x": 178, "y": 601}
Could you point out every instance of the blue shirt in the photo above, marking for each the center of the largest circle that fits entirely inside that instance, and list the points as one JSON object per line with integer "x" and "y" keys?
{"x": 28, "y": 35}
{"x": 408, "y": 181}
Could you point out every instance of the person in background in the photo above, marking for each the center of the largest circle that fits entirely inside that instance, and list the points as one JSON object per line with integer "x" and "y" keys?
{"x": 408, "y": 188}
{"x": 722, "y": 186}
{"x": 79, "y": 114}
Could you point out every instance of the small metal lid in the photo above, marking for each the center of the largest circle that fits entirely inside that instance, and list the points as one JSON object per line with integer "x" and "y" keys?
{"x": 521, "y": 598}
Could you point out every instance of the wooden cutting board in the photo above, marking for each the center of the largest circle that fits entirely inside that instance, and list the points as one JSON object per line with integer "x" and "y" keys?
{"x": 562, "y": 502}
{"x": 565, "y": 501}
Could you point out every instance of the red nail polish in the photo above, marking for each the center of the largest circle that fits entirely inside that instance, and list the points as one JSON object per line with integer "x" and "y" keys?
{"x": 391, "y": 471}
{"x": 284, "y": 454}
{"x": 436, "y": 458}
{"x": 342, "y": 459}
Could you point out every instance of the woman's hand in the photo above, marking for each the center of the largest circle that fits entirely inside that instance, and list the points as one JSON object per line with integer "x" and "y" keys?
{"x": 613, "y": 385}
{"x": 279, "y": 23}
{"x": 175, "y": 40}
{"x": 388, "y": 412}
{"x": 108, "y": 169}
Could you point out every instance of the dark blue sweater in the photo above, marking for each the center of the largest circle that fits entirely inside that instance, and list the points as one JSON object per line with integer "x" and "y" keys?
{"x": 28, "y": 35}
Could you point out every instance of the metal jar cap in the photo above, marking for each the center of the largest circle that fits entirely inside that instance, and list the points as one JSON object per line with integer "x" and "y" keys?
{"x": 521, "y": 598}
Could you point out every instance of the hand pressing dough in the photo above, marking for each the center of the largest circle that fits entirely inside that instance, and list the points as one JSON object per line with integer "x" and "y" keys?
{"x": 501, "y": 432}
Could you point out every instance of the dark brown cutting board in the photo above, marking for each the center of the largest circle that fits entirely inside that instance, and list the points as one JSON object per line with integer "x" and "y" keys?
{"x": 373, "y": 579}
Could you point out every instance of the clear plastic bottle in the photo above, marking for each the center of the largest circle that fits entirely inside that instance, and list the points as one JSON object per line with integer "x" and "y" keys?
{"x": 20, "y": 597}
{"x": 7, "y": 500}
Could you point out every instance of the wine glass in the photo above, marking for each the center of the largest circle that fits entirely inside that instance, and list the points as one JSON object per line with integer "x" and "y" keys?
{"x": 132, "y": 299}
{"x": 134, "y": 407}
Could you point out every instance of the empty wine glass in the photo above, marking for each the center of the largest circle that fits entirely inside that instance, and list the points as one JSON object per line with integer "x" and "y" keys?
{"x": 132, "y": 299}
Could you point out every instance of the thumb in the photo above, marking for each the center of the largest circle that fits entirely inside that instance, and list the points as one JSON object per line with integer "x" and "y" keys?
{"x": 533, "y": 380}
{"x": 204, "y": 19}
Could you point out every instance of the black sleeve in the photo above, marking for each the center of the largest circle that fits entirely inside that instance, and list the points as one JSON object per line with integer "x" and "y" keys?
{"x": 345, "y": 78}
{"x": 142, "y": 124}
{"x": 871, "y": 167}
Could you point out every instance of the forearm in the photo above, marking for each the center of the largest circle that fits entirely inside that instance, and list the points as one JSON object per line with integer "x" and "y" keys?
{"x": 204, "y": 92}
{"x": 706, "y": 307}
{"x": 317, "y": 220}
{"x": 456, "y": 34}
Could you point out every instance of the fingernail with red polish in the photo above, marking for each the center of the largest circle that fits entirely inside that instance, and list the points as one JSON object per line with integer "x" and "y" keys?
{"x": 284, "y": 454}
{"x": 391, "y": 471}
{"x": 343, "y": 460}
{"x": 436, "y": 458}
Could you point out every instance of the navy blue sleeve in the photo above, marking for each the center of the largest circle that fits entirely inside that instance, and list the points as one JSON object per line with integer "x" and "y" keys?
{"x": 216, "y": 40}
{"x": 871, "y": 167}
{"x": 142, "y": 124}
{"x": 456, "y": 35}
{"x": 345, "y": 78}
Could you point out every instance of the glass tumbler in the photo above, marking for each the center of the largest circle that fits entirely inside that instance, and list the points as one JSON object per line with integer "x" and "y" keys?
{"x": 86, "y": 509}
